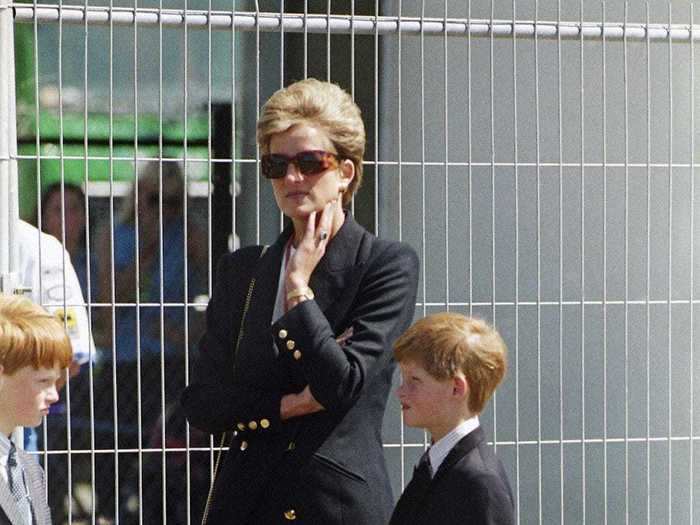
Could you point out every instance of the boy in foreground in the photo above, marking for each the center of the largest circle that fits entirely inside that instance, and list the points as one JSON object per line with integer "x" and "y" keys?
{"x": 34, "y": 354}
{"x": 450, "y": 366}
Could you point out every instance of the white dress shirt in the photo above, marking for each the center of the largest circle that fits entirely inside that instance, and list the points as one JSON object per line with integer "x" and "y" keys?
{"x": 439, "y": 450}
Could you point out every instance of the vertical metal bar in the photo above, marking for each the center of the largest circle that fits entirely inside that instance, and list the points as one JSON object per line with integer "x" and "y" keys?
{"x": 185, "y": 166}
{"x": 669, "y": 383}
{"x": 648, "y": 271}
{"x": 281, "y": 215}
{"x": 691, "y": 463}
{"x": 352, "y": 69}
{"x": 185, "y": 220}
{"x": 257, "y": 114}
{"x": 561, "y": 269}
{"x": 583, "y": 275}
{"x": 469, "y": 166}
{"x": 422, "y": 168}
{"x": 137, "y": 288}
{"x": 539, "y": 271}
{"x": 400, "y": 173}
{"x": 62, "y": 182}
{"x": 6, "y": 98}
{"x": 447, "y": 175}
{"x": 161, "y": 295}
{"x": 376, "y": 115}
{"x": 306, "y": 39}
{"x": 492, "y": 166}
{"x": 516, "y": 328}
{"x": 115, "y": 394}
{"x": 605, "y": 270}
{"x": 88, "y": 249}
{"x": 328, "y": 40}
{"x": 422, "y": 153}
{"x": 625, "y": 80}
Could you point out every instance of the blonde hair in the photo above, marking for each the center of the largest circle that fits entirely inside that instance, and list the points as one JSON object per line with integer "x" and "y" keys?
{"x": 447, "y": 344}
{"x": 323, "y": 105}
{"x": 29, "y": 335}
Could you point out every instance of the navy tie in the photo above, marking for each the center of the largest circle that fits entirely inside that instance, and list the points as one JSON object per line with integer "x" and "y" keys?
{"x": 422, "y": 475}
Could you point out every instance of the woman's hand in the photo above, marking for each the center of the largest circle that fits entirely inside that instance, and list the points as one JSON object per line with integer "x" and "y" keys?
{"x": 301, "y": 404}
{"x": 310, "y": 250}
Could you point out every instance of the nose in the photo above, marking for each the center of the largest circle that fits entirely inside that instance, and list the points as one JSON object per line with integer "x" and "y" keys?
{"x": 52, "y": 395}
{"x": 293, "y": 174}
{"x": 400, "y": 391}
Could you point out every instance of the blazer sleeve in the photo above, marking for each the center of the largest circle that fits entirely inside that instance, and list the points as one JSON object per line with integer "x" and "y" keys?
{"x": 382, "y": 310}
{"x": 214, "y": 402}
{"x": 488, "y": 501}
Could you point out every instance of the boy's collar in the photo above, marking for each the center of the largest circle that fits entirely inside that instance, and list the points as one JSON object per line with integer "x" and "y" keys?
{"x": 439, "y": 450}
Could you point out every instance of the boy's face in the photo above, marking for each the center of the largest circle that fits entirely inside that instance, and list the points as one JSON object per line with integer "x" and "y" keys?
{"x": 427, "y": 402}
{"x": 26, "y": 395}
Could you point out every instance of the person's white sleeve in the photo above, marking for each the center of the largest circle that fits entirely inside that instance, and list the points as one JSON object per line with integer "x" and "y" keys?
{"x": 55, "y": 286}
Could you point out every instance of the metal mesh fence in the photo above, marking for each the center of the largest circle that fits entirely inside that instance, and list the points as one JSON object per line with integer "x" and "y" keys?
{"x": 539, "y": 157}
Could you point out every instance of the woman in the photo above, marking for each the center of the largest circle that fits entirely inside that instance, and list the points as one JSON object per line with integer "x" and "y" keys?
{"x": 297, "y": 353}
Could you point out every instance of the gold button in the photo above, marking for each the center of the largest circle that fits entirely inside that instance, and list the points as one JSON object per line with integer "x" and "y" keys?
{"x": 265, "y": 423}
{"x": 282, "y": 334}
{"x": 241, "y": 426}
{"x": 244, "y": 445}
{"x": 290, "y": 515}
{"x": 297, "y": 354}
{"x": 253, "y": 425}
{"x": 290, "y": 345}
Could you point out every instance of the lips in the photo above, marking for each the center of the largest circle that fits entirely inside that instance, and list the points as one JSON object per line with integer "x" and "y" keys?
{"x": 296, "y": 194}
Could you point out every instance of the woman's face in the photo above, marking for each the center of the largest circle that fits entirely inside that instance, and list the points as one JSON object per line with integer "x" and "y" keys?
{"x": 297, "y": 195}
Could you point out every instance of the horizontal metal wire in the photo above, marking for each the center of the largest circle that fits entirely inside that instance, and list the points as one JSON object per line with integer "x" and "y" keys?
{"x": 345, "y": 24}
{"x": 588, "y": 441}
{"x": 497, "y": 164}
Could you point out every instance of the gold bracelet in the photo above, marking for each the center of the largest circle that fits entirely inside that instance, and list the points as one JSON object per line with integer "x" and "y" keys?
{"x": 304, "y": 291}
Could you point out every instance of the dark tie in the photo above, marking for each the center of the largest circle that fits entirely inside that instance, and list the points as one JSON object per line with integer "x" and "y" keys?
{"x": 15, "y": 479}
{"x": 422, "y": 475}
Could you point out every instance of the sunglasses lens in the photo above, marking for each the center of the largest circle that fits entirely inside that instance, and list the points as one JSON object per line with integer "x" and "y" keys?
{"x": 274, "y": 166}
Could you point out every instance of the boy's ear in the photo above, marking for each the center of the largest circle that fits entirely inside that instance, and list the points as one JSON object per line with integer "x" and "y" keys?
{"x": 460, "y": 387}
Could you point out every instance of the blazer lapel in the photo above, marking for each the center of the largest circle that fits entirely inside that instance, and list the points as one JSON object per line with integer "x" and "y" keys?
{"x": 9, "y": 505}
{"x": 337, "y": 266}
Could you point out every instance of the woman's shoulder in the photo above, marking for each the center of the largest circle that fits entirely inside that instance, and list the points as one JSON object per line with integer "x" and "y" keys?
{"x": 389, "y": 249}
{"x": 242, "y": 256}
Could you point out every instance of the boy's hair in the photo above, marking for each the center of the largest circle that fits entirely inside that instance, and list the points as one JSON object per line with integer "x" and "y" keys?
{"x": 448, "y": 343}
{"x": 29, "y": 335}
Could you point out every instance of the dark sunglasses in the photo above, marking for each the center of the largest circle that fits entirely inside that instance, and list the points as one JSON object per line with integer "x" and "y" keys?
{"x": 274, "y": 165}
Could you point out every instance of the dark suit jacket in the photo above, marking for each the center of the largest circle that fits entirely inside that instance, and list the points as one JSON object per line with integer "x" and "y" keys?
{"x": 34, "y": 477}
{"x": 470, "y": 487}
{"x": 325, "y": 468}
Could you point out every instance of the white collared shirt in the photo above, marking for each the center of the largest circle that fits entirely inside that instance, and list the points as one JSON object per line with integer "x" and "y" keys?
{"x": 439, "y": 450}
{"x": 4, "y": 456}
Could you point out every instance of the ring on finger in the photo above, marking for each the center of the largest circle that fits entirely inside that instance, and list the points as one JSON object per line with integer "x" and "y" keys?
{"x": 324, "y": 235}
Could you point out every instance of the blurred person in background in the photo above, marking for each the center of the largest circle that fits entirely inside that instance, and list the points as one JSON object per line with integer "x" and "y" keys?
{"x": 160, "y": 265}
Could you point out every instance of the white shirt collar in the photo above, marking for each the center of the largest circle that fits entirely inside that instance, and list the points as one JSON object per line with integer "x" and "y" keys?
{"x": 5, "y": 444}
{"x": 439, "y": 450}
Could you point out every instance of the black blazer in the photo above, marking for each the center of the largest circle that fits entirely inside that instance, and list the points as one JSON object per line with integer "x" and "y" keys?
{"x": 470, "y": 487}
{"x": 325, "y": 468}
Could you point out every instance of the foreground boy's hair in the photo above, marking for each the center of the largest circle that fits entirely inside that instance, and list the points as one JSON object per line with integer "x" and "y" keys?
{"x": 447, "y": 344}
{"x": 30, "y": 336}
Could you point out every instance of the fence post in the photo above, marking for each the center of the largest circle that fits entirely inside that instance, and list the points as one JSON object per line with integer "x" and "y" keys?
{"x": 9, "y": 192}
